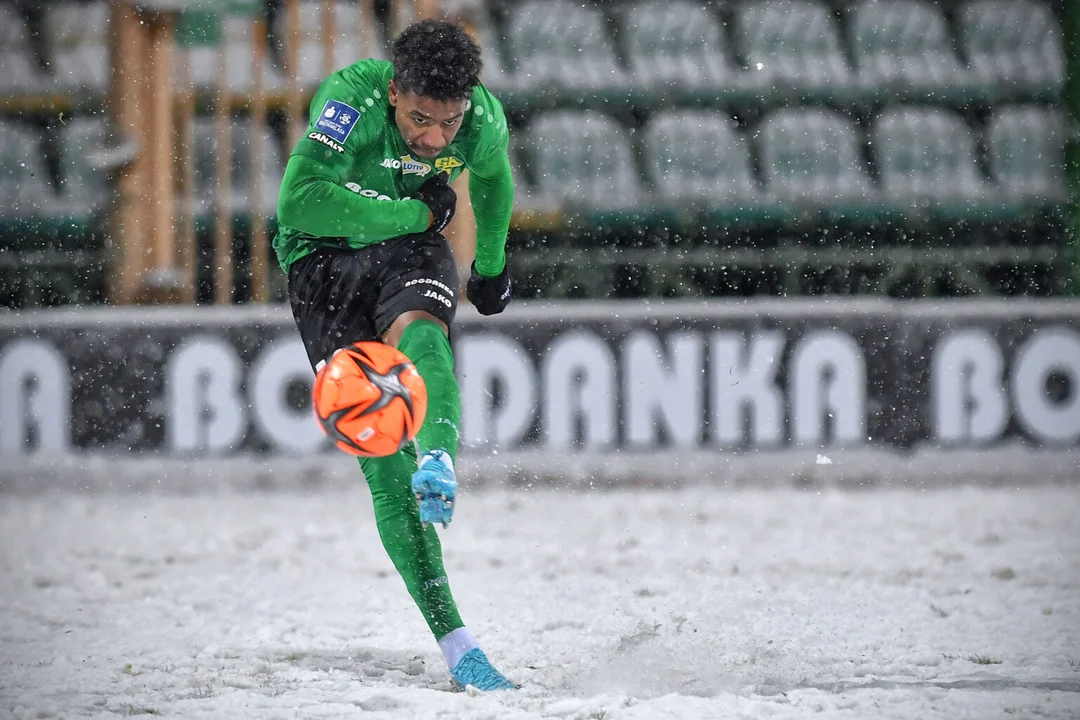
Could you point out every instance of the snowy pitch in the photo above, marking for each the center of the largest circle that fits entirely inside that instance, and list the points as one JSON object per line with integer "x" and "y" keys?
{"x": 961, "y": 603}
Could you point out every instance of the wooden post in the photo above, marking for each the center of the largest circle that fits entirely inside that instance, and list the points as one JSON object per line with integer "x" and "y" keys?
{"x": 185, "y": 131}
{"x": 128, "y": 55}
{"x": 260, "y": 278}
{"x": 223, "y": 220}
{"x": 161, "y": 285}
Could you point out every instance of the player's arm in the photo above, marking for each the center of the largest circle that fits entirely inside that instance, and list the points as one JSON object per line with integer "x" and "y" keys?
{"x": 314, "y": 201}
{"x": 314, "y": 198}
{"x": 491, "y": 188}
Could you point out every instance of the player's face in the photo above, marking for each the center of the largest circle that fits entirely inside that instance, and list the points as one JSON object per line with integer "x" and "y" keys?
{"x": 427, "y": 125}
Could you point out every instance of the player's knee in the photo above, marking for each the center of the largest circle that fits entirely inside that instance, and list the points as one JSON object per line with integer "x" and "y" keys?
{"x": 397, "y": 328}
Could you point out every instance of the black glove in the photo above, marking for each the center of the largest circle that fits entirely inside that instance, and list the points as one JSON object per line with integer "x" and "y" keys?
{"x": 489, "y": 295}
{"x": 440, "y": 199}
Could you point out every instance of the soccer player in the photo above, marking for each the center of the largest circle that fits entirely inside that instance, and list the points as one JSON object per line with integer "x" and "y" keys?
{"x": 363, "y": 200}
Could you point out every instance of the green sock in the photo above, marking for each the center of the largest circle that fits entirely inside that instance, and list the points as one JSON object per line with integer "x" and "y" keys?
{"x": 414, "y": 549}
{"x": 427, "y": 346}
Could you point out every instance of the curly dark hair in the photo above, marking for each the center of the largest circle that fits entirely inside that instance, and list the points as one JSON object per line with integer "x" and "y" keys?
{"x": 436, "y": 59}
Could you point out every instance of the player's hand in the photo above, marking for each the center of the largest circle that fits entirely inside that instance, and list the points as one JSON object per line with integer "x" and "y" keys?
{"x": 490, "y": 295}
{"x": 440, "y": 199}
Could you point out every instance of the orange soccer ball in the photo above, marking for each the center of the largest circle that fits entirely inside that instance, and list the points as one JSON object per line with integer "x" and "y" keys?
{"x": 369, "y": 399}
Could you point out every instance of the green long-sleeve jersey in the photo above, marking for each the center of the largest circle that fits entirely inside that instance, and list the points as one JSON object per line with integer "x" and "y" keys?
{"x": 350, "y": 181}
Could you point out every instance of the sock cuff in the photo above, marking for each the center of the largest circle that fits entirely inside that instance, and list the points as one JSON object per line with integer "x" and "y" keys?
{"x": 455, "y": 644}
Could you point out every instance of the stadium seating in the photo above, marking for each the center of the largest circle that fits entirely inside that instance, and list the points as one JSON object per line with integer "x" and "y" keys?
{"x": 355, "y": 38}
{"x": 696, "y": 160}
{"x": 759, "y": 126}
{"x": 496, "y": 76}
{"x": 77, "y": 42}
{"x": 677, "y": 48}
{"x": 1014, "y": 49}
{"x": 205, "y": 61}
{"x": 903, "y": 52}
{"x": 84, "y": 187}
{"x": 20, "y": 71}
{"x": 927, "y": 161}
{"x": 240, "y": 168}
{"x": 812, "y": 158}
{"x": 528, "y": 196}
{"x": 25, "y": 190}
{"x": 793, "y": 46}
{"x": 558, "y": 45}
{"x": 1027, "y": 155}
{"x": 583, "y": 160}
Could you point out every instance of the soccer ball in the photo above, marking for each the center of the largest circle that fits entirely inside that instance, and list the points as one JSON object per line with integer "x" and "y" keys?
{"x": 369, "y": 399}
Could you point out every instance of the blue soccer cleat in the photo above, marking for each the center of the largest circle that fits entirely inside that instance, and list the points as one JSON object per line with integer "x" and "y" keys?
{"x": 476, "y": 670}
{"x": 435, "y": 487}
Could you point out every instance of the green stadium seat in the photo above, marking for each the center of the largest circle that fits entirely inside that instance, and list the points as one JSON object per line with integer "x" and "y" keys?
{"x": 20, "y": 72}
{"x": 84, "y": 187}
{"x": 495, "y": 74}
{"x": 1014, "y": 49}
{"x": 793, "y": 47}
{"x": 903, "y": 51}
{"x": 695, "y": 159}
{"x": 563, "y": 45}
{"x": 528, "y": 196}
{"x": 1027, "y": 155}
{"x": 240, "y": 168}
{"x": 926, "y": 160}
{"x": 25, "y": 191}
{"x": 812, "y": 158}
{"x": 678, "y": 47}
{"x": 583, "y": 161}
{"x": 205, "y": 61}
{"x": 355, "y": 38}
{"x": 77, "y": 39}
{"x": 243, "y": 173}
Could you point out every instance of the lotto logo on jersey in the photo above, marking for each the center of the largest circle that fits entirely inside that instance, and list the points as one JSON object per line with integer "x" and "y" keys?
{"x": 446, "y": 164}
{"x": 336, "y": 120}
{"x": 407, "y": 165}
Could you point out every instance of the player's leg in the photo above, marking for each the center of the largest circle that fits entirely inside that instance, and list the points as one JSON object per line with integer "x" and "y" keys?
{"x": 417, "y": 304}
{"x": 423, "y": 338}
{"x": 418, "y": 300}
{"x": 413, "y": 547}
{"x": 332, "y": 307}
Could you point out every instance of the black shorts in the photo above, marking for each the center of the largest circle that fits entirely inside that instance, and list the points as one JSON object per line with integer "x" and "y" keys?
{"x": 339, "y": 297}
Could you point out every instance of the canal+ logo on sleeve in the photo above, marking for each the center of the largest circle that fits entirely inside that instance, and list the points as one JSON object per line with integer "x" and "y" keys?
{"x": 337, "y": 120}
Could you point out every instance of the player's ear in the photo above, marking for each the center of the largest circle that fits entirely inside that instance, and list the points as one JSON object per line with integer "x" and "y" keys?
{"x": 392, "y": 93}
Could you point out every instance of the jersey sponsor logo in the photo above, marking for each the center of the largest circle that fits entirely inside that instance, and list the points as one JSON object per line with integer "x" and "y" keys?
{"x": 429, "y": 281}
{"x": 436, "y": 296}
{"x": 407, "y": 165}
{"x": 434, "y": 290}
{"x": 337, "y": 120}
{"x": 319, "y": 137}
{"x": 413, "y": 167}
{"x": 446, "y": 164}
{"x": 368, "y": 193}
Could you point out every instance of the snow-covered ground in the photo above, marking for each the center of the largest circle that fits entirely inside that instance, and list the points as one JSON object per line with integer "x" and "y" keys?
{"x": 647, "y": 604}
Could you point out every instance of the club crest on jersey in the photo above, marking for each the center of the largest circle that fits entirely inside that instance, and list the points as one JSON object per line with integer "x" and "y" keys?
{"x": 446, "y": 164}
{"x": 319, "y": 137}
{"x": 336, "y": 120}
